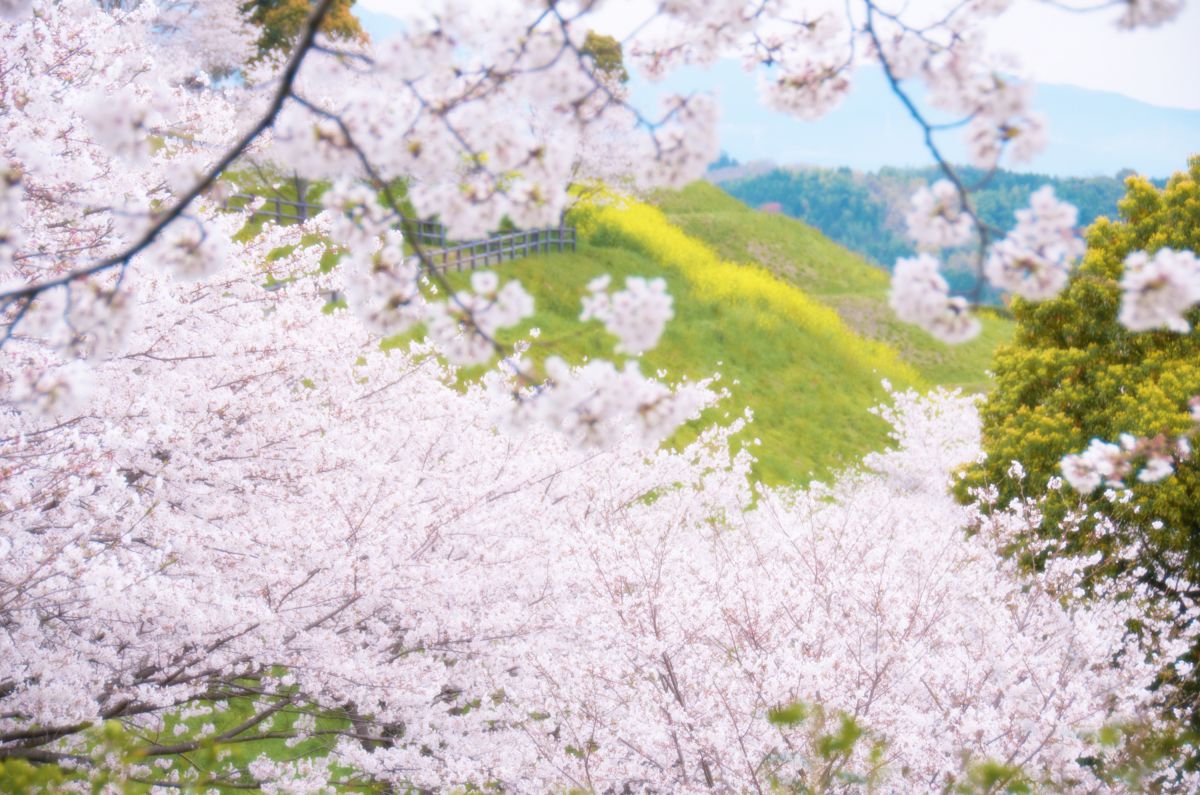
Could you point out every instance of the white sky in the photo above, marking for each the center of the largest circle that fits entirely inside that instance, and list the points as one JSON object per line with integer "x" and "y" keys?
{"x": 1160, "y": 66}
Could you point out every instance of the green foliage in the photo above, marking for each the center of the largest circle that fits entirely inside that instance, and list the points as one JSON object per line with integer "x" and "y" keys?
{"x": 800, "y": 255}
{"x": 1074, "y": 374}
{"x": 17, "y": 775}
{"x": 282, "y": 20}
{"x": 989, "y": 777}
{"x": 841, "y": 754}
{"x": 837, "y": 753}
{"x": 788, "y": 715}
{"x": 841, "y": 203}
{"x": 606, "y": 53}
{"x": 203, "y": 753}
{"x": 1135, "y": 757}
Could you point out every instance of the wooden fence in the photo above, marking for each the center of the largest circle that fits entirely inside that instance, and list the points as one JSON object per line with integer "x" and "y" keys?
{"x": 492, "y": 250}
{"x": 502, "y": 247}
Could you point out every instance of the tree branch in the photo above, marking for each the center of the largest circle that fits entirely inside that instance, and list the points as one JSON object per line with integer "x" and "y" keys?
{"x": 306, "y": 42}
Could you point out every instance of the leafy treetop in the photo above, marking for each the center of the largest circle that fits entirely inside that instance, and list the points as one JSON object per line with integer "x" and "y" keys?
{"x": 607, "y": 54}
{"x": 282, "y": 20}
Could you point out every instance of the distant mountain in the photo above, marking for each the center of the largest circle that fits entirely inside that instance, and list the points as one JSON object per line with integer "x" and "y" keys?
{"x": 864, "y": 211}
{"x": 1091, "y": 132}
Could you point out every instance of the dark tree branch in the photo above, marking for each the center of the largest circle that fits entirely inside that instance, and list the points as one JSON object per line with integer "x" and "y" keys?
{"x": 25, "y": 295}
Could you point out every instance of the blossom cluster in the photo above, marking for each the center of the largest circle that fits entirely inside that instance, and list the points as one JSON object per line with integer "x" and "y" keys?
{"x": 1033, "y": 261}
{"x": 1107, "y": 464}
{"x": 1157, "y": 291}
{"x": 936, "y": 218}
{"x": 636, "y": 315}
{"x": 383, "y": 288}
{"x": 464, "y": 327}
{"x": 920, "y": 295}
{"x": 1149, "y": 13}
{"x": 1035, "y": 258}
{"x": 218, "y": 491}
{"x": 597, "y": 403}
{"x": 482, "y": 123}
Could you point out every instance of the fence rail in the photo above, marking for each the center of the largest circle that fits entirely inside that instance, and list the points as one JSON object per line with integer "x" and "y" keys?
{"x": 470, "y": 255}
{"x": 503, "y": 247}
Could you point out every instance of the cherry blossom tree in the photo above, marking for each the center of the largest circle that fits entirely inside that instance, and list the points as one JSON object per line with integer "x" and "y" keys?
{"x": 256, "y": 504}
{"x": 216, "y": 492}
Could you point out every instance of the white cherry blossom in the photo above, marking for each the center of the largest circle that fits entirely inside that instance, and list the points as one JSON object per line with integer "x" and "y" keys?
{"x": 935, "y": 218}
{"x": 920, "y": 295}
{"x": 1156, "y": 291}
{"x": 1035, "y": 258}
{"x": 636, "y": 315}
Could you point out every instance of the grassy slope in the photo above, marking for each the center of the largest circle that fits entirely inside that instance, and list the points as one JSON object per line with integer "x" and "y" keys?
{"x": 800, "y": 255}
{"x": 809, "y": 378}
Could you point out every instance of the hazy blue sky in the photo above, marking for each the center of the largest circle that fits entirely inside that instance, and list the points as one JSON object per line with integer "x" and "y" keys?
{"x": 1159, "y": 66}
{"x": 1114, "y": 99}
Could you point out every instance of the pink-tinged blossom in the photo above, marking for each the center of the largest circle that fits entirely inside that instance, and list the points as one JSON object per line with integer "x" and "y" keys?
{"x": 636, "y": 316}
{"x": 1102, "y": 462}
{"x": 639, "y": 608}
{"x": 597, "y": 404}
{"x": 1157, "y": 468}
{"x": 383, "y": 288}
{"x": 1156, "y": 291}
{"x": 121, "y": 122}
{"x": 920, "y": 295}
{"x": 936, "y": 219}
{"x": 807, "y": 94}
{"x": 12, "y": 211}
{"x": 464, "y": 326}
{"x": 1149, "y": 13}
{"x": 905, "y": 54}
{"x": 55, "y": 392}
{"x": 1023, "y": 138}
{"x": 191, "y": 250}
{"x": 1035, "y": 258}
{"x": 470, "y": 562}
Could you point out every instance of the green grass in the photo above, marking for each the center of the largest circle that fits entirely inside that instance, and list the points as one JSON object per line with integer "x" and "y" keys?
{"x": 857, "y": 290}
{"x": 202, "y": 769}
{"x": 807, "y": 376}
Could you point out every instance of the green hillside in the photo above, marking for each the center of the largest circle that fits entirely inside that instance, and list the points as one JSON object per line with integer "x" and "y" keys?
{"x": 802, "y": 256}
{"x": 808, "y": 378}
{"x": 798, "y": 327}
